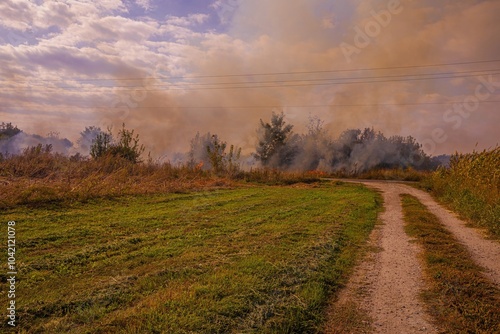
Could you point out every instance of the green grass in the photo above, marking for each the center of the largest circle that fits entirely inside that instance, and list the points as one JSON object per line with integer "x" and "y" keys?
{"x": 458, "y": 296}
{"x": 252, "y": 260}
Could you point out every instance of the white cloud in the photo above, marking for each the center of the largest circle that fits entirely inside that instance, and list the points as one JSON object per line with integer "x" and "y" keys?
{"x": 186, "y": 21}
{"x": 145, "y": 4}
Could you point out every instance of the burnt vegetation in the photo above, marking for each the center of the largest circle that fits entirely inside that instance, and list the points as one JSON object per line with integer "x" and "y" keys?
{"x": 353, "y": 152}
{"x": 44, "y": 169}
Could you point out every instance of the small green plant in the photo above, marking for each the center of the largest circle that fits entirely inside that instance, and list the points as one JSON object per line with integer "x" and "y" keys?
{"x": 221, "y": 161}
{"x": 216, "y": 154}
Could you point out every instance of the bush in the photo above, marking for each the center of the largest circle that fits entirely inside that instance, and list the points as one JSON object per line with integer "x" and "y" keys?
{"x": 208, "y": 152}
{"x": 126, "y": 147}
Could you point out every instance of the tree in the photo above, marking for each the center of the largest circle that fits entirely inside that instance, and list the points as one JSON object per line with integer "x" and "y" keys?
{"x": 275, "y": 147}
{"x": 127, "y": 146}
{"x": 216, "y": 154}
{"x": 101, "y": 144}
{"x": 312, "y": 146}
{"x": 7, "y": 130}
{"x": 315, "y": 128}
{"x": 232, "y": 160}
{"x": 198, "y": 157}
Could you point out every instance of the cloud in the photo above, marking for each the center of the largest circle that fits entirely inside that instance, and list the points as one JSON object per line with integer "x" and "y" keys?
{"x": 145, "y": 4}
{"x": 186, "y": 21}
{"x": 225, "y": 9}
{"x": 79, "y": 40}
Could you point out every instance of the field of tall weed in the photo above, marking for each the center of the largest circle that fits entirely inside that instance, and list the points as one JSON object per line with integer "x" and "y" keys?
{"x": 471, "y": 186}
{"x": 39, "y": 176}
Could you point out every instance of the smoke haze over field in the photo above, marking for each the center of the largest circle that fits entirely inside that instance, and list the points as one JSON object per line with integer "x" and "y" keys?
{"x": 167, "y": 68}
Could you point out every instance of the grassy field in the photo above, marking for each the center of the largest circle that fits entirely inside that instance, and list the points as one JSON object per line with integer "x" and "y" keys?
{"x": 458, "y": 296}
{"x": 253, "y": 260}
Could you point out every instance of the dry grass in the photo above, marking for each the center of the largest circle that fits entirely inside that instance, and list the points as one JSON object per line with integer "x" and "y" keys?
{"x": 471, "y": 186}
{"x": 458, "y": 296}
{"x": 395, "y": 174}
{"x": 39, "y": 177}
{"x": 278, "y": 177}
{"x": 43, "y": 177}
{"x": 407, "y": 174}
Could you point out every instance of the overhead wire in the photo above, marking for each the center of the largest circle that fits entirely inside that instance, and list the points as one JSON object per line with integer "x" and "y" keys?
{"x": 295, "y": 82}
{"x": 269, "y": 106}
{"x": 285, "y": 83}
{"x": 277, "y": 73}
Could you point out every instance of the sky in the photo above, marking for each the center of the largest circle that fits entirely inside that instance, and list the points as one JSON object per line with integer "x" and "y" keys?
{"x": 172, "y": 68}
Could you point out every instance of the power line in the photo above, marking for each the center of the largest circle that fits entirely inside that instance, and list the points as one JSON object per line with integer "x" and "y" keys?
{"x": 250, "y": 85}
{"x": 478, "y": 72}
{"x": 272, "y": 73}
{"x": 266, "y": 106}
{"x": 341, "y": 70}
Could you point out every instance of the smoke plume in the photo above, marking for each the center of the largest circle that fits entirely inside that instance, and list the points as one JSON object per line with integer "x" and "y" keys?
{"x": 170, "y": 79}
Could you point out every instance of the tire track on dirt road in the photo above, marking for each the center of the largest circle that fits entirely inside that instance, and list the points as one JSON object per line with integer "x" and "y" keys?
{"x": 386, "y": 286}
{"x": 484, "y": 252}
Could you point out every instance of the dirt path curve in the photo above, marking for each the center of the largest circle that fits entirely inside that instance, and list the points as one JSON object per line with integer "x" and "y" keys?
{"x": 485, "y": 252}
{"x": 387, "y": 284}
{"x": 396, "y": 307}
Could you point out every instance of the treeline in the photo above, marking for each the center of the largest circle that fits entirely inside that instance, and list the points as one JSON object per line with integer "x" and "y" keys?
{"x": 353, "y": 152}
{"x": 93, "y": 143}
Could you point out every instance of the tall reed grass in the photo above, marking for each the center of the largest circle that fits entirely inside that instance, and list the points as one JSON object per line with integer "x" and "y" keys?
{"x": 471, "y": 185}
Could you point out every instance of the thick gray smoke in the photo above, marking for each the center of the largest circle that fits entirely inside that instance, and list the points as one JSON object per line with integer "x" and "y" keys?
{"x": 20, "y": 142}
{"x": 168, "y": 80}
{"x": 14, "y": 141}
{"x": 353, "y": 151}
{"x": 209, "y": 152}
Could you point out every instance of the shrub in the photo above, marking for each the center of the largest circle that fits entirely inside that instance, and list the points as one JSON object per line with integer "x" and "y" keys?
{"x": 126, "y": 146}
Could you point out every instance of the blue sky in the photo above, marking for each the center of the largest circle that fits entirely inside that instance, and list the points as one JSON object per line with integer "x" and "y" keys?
{"x": 168, "y": 68}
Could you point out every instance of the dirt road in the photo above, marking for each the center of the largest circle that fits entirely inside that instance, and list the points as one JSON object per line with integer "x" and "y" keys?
{"x": 387, "y": 284}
